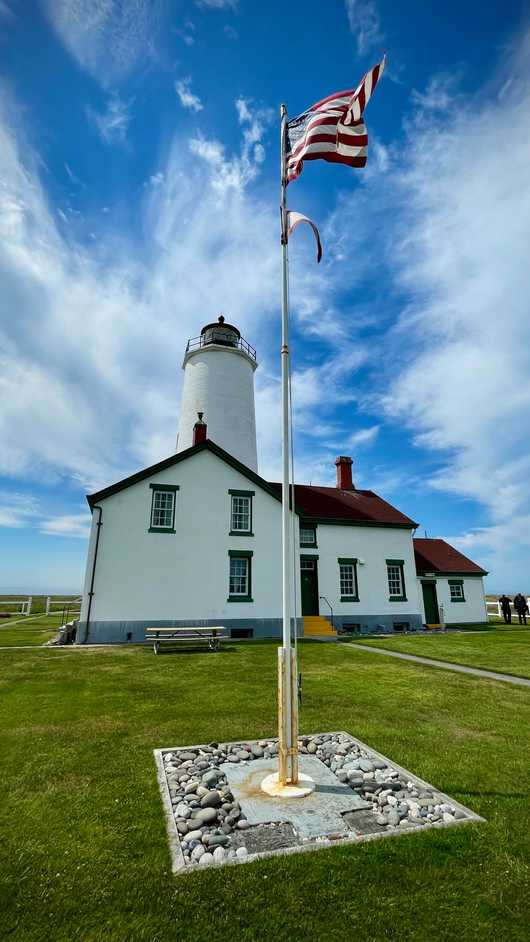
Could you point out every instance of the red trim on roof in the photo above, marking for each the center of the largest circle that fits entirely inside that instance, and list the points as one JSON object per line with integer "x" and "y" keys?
{"x": 439, "y": 556}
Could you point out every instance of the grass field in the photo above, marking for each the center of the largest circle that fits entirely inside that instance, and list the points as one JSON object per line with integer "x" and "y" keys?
{"x": 15, "y": 632}
{"x": 82, "y": 839}
{"x": 507, "y": 651}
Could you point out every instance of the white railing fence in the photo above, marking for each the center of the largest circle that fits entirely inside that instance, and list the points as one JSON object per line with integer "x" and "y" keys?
{"x": 493, "y": 607}
{"x": 53, "y": 606}
{"x": 23, "y": 605}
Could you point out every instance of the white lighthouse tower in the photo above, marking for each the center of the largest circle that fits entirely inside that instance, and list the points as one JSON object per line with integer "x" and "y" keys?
{"x": 219, "y": 382}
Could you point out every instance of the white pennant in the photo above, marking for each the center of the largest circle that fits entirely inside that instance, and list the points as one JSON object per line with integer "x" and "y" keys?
{"x": 294, "y": 219}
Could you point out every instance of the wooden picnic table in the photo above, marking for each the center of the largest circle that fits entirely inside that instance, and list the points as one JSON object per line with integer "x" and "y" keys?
{"x": 212, "y": 634}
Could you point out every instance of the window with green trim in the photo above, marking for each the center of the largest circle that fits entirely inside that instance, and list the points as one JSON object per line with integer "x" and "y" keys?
{"x": 308, "y": 536}
{"x": 241, "y": 512}
{"x": 349, "y": 591}
{"x": 240, "y": 576}
{"x": 163, "y": 508}
{"x": 456, "y": 590}
{"x": 396, "y": 580}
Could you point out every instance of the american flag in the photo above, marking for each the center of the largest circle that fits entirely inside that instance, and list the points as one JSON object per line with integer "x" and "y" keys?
{"x": 333, "y": 129}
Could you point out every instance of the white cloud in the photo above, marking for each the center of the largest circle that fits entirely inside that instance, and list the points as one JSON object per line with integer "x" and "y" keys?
{"x": 365, "y": 436}
{"x": 365, "y": 24}
{"x": 108, "y": 38}
{"x": 230, "y": 32}
{"x": 17, "y": 510}
{"x": 236, "y": 172}
{"x": 113, "y": 123}
{"x": 187, "y": 98}
{"x": 68, "y": 525}
{"x": 461, "y": 348}
{"x": 441, "y": 93}
{"x": 89, "y": 370}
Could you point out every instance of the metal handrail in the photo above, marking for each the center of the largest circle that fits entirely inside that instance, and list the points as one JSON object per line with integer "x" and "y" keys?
{"x": 330, "y": 608}
{"x": 201, "y": 341}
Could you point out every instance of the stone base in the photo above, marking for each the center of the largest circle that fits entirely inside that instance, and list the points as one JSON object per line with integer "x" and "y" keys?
{"x": 217, "y": 812}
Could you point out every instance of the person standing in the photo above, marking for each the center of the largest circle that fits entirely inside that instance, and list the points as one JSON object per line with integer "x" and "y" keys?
{"x": 521, "y": 607}
{"x": 504, "y": 603}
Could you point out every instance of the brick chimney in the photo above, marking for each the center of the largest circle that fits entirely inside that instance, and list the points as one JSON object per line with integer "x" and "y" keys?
{"x": 199, "y": 430}
{"x": 344, "y": 479}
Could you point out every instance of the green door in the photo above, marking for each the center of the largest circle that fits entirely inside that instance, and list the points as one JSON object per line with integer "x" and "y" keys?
{"x": 430, "y": 603}
{"x": 309, "y": 579}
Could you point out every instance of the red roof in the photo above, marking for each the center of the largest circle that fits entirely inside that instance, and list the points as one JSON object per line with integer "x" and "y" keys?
{"x": 330, "y": 503}
{"x": 439, "y": 556}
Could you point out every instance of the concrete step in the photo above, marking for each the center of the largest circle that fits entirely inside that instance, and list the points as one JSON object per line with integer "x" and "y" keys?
{"x": 317, "y": 626}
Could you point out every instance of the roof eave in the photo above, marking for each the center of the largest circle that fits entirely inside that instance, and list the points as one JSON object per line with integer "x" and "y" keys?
{"x": 444, "y": 572}
{"x": 207, "y": 445}
{"x": 346, "y": 521}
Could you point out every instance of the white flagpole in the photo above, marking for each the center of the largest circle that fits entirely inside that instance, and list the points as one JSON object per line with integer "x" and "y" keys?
{"x": 287, "y": 709}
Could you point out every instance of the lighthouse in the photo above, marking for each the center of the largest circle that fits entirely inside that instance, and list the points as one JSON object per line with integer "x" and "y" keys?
{"x": 219, "y": 382}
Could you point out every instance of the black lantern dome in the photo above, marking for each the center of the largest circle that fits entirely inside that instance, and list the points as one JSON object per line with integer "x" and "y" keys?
{"x": 220, "y": 332}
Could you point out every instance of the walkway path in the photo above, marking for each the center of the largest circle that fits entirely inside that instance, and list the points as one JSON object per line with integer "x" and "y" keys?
{"x": 446, "y": 665}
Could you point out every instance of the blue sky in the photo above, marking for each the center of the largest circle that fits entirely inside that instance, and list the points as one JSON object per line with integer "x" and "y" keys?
{"x": 138, "y": 199}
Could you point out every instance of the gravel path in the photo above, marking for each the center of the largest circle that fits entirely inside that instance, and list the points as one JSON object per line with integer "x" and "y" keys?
{"x": 446, "y": 665}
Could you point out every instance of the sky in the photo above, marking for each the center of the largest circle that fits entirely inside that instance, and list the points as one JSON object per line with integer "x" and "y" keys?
{"x": 139, "y": 148}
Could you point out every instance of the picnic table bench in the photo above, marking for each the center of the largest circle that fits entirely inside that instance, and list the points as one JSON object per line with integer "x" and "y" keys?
{"x": 213, "y": 634}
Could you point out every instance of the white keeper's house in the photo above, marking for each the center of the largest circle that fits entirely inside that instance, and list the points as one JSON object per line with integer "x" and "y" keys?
{"x": 196, "y": 538}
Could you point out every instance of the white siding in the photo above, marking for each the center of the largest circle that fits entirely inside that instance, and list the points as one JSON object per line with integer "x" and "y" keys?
{"x": 184, "y": 575}
{"x": 373, "y": 545}
{"x": 474, "y": 607}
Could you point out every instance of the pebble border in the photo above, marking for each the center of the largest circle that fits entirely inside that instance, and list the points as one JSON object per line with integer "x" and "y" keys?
{"x": 182, "y": 864}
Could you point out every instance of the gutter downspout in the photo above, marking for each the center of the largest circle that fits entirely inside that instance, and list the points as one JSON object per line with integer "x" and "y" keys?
{"x": 94, "y": 561}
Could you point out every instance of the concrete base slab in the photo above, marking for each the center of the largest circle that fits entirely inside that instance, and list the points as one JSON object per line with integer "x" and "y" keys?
{"x": 315, "y": 815}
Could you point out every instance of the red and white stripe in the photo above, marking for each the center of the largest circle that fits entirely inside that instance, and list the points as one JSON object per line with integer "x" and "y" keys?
{"x": 333, "y": 129}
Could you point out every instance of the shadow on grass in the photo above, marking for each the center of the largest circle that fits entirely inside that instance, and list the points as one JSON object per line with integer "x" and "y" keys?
{"x": 191, "y": 649}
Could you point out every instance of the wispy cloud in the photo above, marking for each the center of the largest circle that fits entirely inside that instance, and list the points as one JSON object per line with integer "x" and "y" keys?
{"x": 230, "y": 32}
{"x": 108, "y": 38}
{"x": 186, "y": 33}
{"x": 217, "y": 4}
{"x": 365, "y": 24}
{"x": 72, "y": 176}
{"x": 365, "y": 436}
{"x": 187, "y": 98}
{"x": 236, "y": 172}
{"x": 75, "y": 526}
{"x": 113, "y": 123}
{"x": 16, "y": 509}
{"x": 457, "y": 250}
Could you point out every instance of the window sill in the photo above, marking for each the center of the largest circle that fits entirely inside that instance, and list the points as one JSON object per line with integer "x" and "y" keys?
{"x": 308, "y": 546}
{"x": 240, "y": 533}
{"x": 349, "y": 598}
{"x": 398, "y": 598}
{"x": 161, "y": 530}
{"x": 239, "y": 598}
{"x": 457, "y": 600}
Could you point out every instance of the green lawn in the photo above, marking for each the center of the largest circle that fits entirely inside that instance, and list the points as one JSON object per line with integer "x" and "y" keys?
{"x": 29, "y": 631}
{"x": 83, "y": 851}
{"x": 507, "y": 651}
